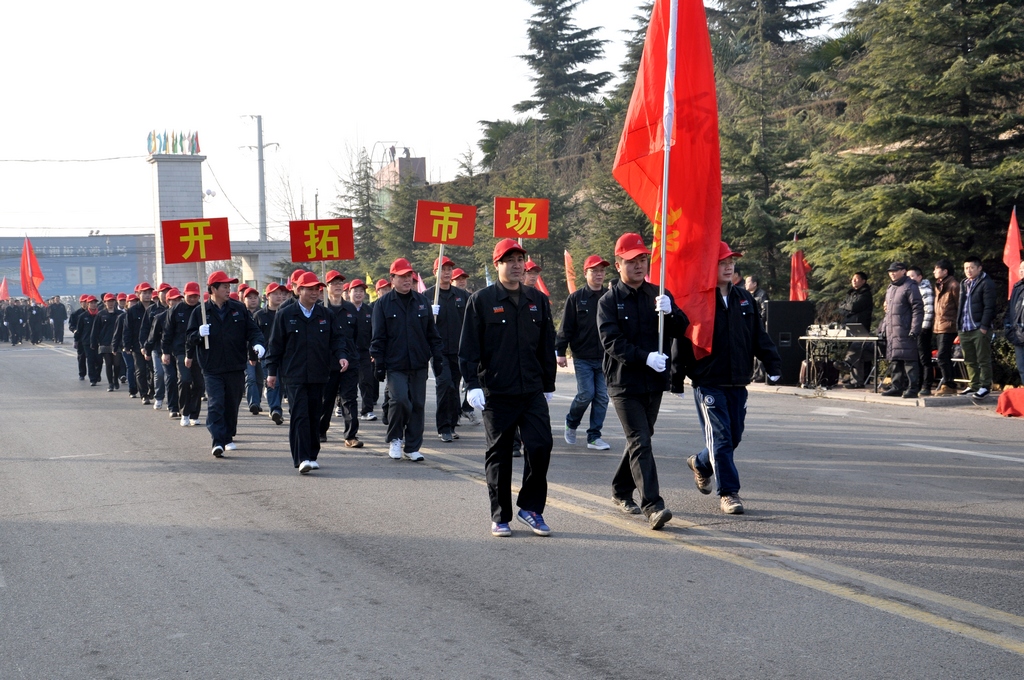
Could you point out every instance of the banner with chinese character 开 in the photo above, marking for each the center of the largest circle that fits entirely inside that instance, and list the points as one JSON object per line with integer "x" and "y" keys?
{"x": 196, "y": 240}
{"x": 520, "y": 217}
{"x": 449, "y": 224}
{"x": 316, "y": 240}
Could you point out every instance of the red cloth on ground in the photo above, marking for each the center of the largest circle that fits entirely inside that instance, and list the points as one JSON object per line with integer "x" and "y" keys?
{"x": 1011, "y": 402}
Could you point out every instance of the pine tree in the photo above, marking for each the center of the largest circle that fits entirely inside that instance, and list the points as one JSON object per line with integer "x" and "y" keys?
{"x": 773, "y": 21}
{"x": 358, "y": 199}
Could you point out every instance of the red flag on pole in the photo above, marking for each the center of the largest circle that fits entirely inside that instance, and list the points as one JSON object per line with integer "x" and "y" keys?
{"x": 570, "y": 273}
{"x": 1011, "y": 251}
{"x": 31, "y": 275}
{"x": 542, "y": 287}
{"x": 4, "y": 295}
{"x": 679, "y": 91}
{"x": 799, "y": 268}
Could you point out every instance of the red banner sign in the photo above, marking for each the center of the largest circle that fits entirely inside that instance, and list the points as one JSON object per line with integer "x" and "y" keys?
{"x": 196, "y": 240}
{"x": 448, "y": 223}
{"x": 520, "y": 217}
{"x": 316, "y": 240}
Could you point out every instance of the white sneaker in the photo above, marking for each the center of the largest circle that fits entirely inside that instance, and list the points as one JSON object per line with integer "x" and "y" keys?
{"x": 598, "y": 445}
{"x": 337, "y": 412}
{"x": 305, "y": 467}
{"x": 368, "y": 416}
{"x": 396, "y": 449}
{"x": 158, "y": 404}
{"x": 314, "y": 465}
{"x": 415, "y": 456}
{"x": 184, "y": 421}
{"x": 195, "y": 421}
{"x": 230, "y": 446}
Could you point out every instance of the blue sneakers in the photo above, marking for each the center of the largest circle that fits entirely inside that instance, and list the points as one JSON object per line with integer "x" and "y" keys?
{"x": 534, "y": 521}
{"x": 500, "y": 529}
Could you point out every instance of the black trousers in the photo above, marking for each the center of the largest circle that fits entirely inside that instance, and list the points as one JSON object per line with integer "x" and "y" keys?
{"x": 944, "y": 344}
{"x": 107, "y": 358}
{"x": 58, "y": 332}
{"x": 343, "y": 386}
{"x": 170, "y": 383}
{"x": 223, "y": 395}
{"x": 369, "y": 388}
{"x": 305, "y": 401}
{"x": 83, "y": 361}
{"x": 94, "y": 364}
{"x": 449, "y": 401}
{"x": 906, "y": 375}
{"x": 637, "y": 470}
{"x": 503, "y": 416}
{"x": 924, "y": 357}
{"x": 191, "y": 387}
{"x": 407, "y": 398}
{"x": 144, "y": 375}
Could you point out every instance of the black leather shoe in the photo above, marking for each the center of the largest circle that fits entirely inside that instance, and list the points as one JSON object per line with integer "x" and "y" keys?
{"x": 892, "y": 392}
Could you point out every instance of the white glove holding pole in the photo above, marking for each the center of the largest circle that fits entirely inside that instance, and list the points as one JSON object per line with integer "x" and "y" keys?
{"x": 436, "y": 309}
{"x": 260, "y": 351}
{"x": 476, "y": 398}
{"x": 657, "y": 361}
{"x": 548, "y": 396}
{"x": 663, "y": 304}
{"x": 204, "y": 330}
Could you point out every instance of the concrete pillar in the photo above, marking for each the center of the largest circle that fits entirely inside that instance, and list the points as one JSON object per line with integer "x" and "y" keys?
{"x": 177, "y": 195}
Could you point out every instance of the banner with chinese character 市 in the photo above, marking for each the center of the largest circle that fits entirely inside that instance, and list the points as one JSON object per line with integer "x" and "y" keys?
{"x": 521, "y": 217}
{"x": 450, "y": 224}
{"x": 196, "y": 240}
{"x": 317, "y": 240}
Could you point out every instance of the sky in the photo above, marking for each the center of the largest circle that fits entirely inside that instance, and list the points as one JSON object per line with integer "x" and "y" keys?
{"x": 89, "y": 81}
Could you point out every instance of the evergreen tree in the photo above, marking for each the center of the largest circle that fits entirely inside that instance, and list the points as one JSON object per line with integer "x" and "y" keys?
{"x": 933, "y": 156}
{"x": 359, "y": 200}
{"x": 772, "y": 21}
{"x": 558, "y": 51}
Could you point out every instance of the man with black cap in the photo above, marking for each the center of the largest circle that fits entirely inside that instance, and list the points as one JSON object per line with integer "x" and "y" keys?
{"x": 131, "y": 341}
{"x": 222, "y": 346}
{"x": 305, "y": 347}
{"x": 579, "y": 332}
{"x": 342, "y": 385}
{"x": 635, "y": 369}
{"x": 720, "y": 381}
{"x": 404, "y": 342}
{"x": 449, "y": 313}
{"x": 173, "y": 350}
{"x": 904, "y": 315}
{"x": 507, "y": 354}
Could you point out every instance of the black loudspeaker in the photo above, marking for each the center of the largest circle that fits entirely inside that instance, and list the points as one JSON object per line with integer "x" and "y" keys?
{"x": 785, "y": 323}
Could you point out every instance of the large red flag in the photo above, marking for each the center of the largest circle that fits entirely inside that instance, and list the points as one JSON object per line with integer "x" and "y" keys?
{"x": 31, "y": 275}
{"x": 1011, "y": 251}
{"x": 570, "y": 273}
{"x": 695, "y": 177}
{"x": 799, "y": 268}
{"x": 4, "y": 295}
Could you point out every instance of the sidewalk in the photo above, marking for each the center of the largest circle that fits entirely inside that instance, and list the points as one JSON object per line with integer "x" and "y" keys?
{"x": 988, "y": 406}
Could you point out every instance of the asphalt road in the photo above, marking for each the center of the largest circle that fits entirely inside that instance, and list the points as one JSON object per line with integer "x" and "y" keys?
{"x": 879, "y": 542}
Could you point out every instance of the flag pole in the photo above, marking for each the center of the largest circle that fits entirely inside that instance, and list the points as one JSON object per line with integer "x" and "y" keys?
{"x": 437, "y": 276}
{"x": 668, "y": 116}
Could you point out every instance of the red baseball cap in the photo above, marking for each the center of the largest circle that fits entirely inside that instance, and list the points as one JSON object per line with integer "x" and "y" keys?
{"x": 445, "y": 260}
{"x": 308, "y": 280}
{"x": 83, "y": 297}
{"x": 250, "y": 291}
{"x": 143, "y": 286}
{"x": 192, "y": 288}
{"x": 595, "y": 261}
{"x": 271, "y": 287}
{"x": 401, "y": 267}
{"x": 355, "y": 283}
{"x": 162, "y": 287}
{"x": 504, "y": 247}
{"x": 725, "y": 251}
{"x": 531, "y": 265}
{"x": 331, "y": 275}
{"x": 233, "y": 296}
{"x": 174, "y": 294}
{"x": 242, "y": 287}
{"x": 458, "y": 273}
{"x": 122, "y": 296}
{"x": 383, "y": 283}
{"x": 109, "y": 296}
{"x": 629, "y": 246}
{"x": 219, "y": 277}
{"x": 90, "y": 298}
{"x": 133, "y": 298}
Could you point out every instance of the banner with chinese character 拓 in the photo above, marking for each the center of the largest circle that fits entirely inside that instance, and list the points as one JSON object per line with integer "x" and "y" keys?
{"x": 520, "y": 217}
{"x": 196, "y": 240}
{"x": 448, "y": 224}
{"x": 317, "y": 240}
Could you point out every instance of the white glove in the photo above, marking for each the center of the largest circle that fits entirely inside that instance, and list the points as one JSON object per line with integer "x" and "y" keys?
{"x": 775, "y": 378}
{"x": 260, "y": 351}
{"x": 663, "y": 304}
{"x": 476, "y": 398}
{"x": 657, "y": 361}
{"x": 548, "y": 395}
{"x": 204, "y": 330}
{"x": 436, "y": 308}
{"x": 5, "y": 323}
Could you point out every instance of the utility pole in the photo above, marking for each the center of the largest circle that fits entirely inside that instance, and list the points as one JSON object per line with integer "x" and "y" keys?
{"x": 262, "y": 183}
{"x": 316, "y": 204}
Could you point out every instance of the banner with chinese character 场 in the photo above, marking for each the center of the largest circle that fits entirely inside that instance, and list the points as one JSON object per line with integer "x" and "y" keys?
{"x": 316, "y": 240}
{"x": 196, "y": 240}
{"x": 449, "y": 224}
{"x": 521, "y": 217}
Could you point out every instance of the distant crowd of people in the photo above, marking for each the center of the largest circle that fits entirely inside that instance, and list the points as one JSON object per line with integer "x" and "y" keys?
{"x": 24, "y": 319}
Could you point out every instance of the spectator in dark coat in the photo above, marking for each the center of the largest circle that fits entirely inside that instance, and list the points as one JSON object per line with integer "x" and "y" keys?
{"x": 859, "y": 307}
{"x": 1013, "y": 323}
{"x": 904, "y": 314}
